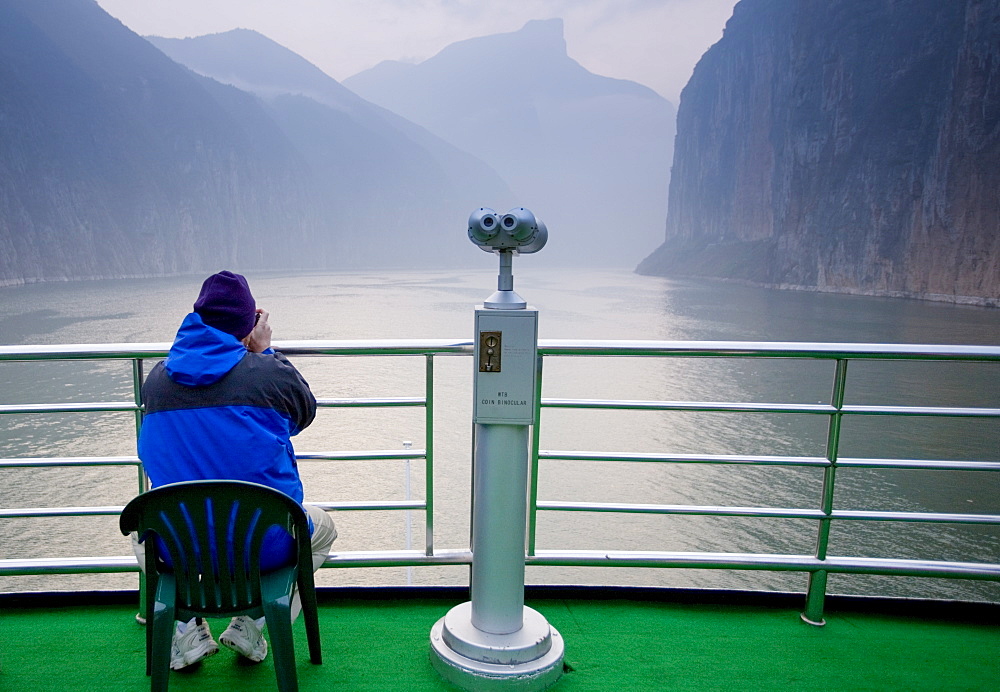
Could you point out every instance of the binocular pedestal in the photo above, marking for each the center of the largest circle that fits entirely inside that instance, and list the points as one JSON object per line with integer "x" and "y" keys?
{"x": 495, "y": 642}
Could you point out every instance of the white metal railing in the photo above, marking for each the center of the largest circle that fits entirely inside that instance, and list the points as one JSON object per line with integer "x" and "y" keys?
{"x": 818, "y": 564}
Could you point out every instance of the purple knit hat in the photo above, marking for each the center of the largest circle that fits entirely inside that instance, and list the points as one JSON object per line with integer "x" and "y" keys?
{"x": 226, "y": 303}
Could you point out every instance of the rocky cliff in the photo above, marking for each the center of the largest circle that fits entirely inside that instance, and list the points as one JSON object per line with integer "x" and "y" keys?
{"x": 843, "y": 145}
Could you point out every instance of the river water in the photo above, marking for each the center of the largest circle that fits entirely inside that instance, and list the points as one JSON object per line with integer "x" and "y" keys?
{"x": 575, "y": 304}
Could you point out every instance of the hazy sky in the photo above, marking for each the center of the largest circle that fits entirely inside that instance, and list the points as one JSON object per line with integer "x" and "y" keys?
{"x": 653, "y": 42}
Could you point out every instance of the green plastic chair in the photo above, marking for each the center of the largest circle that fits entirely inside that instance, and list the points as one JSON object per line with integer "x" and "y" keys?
{"x": 213, "y": 531}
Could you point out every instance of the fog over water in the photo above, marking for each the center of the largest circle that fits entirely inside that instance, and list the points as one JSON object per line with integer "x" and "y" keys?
{"x": 572, "y": 304}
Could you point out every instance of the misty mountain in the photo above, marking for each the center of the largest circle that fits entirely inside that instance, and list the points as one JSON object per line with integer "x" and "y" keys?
{"x": 588, "y": 154}
{"x": 843, "y": 145}
{"x": 336, "y": 131}
{"x": 117, "y": 161}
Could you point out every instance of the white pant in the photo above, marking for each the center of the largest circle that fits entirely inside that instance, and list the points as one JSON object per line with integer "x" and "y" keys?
{"x": 323, "y": 535}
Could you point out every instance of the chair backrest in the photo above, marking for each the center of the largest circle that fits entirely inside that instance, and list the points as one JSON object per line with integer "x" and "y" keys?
{"x": 212, "y": 533}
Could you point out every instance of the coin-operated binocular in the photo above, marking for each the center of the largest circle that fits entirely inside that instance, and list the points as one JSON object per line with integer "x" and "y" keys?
{"x": 495, "y": 641}
{"x": 516, "y": 232}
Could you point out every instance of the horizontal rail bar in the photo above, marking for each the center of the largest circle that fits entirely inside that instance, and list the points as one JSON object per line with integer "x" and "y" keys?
{"x": 568, "y": 347}
{"x": 750, "y": 407}
{"x": 627, "y": 508}
{"x": 85, "y": 407}
{"x": 764, "y": 349}
{"x": 345, "y": 506}
{"x": 371, "y": 402}
{"x": 579, "y": 558}
{"x": 26, "y": 512}
{"x": 373, "y": 455}
{"x": 922, "y": 411}
{"x": 43, "y": 462}
{"x": 398, "y": 558}
{"x": 917, "y": 517}
{"x": 704, "y": 406}
{"x": 32, "y": 512}
{"x": 98, "y": 406}
{"x": 381, "y": 347}
{"x": 642, "y": 457}
{"x": 704, "y": 510}
{"x": 376, "y": 347}
{"x": 127, "y": 563}
{"x": 787, "y": 563}
{"x": 83, "y": 351}
{"x": 708, "y": 407}
{"x": 769, "y": 512}
{"x": 767, "y": 460}
{"x": 67, "y": 565}
{"x": 939, "y": 464}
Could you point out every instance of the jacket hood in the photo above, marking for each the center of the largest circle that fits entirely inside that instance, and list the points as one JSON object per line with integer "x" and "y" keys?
{"x": 202, "y": 355}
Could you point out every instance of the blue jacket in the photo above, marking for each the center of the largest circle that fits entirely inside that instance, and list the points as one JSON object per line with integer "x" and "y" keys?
{"x": 217, "y": 411}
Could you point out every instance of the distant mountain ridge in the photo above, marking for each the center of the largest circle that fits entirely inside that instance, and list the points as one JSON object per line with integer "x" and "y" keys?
{"x": 590, "y": 154}
{"x": 843, "y": 145}
{"x": 117, "y": 162}
{"x": 256, "y": 64}
{"x": 252, "y": 62}
{"x": 365, "y": 151}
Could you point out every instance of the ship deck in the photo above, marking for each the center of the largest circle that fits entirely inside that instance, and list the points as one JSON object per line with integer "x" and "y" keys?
{"x": 615, "y": 639}
{"x": 620, "y": 639}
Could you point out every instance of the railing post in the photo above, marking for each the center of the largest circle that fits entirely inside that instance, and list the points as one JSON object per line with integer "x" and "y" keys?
{"x": 429, "y": 455}
{"x": 816, "y": 590}
{"x": 533, "y": 459}
{"x": 137, "y": 374}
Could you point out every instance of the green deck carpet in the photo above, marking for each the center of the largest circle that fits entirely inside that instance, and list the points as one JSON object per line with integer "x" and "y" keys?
{"x": 371, "y": 644}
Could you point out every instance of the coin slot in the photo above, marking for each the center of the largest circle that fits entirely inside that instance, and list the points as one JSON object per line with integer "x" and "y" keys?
{"x": 489, "y": 351}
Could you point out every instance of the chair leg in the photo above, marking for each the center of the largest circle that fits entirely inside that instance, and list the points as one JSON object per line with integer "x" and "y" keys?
{"x": 311, "y": 616}
{"x": 149, "y": 641}
{"x": 162, "y": 633}
{"x": 279, "y": 626}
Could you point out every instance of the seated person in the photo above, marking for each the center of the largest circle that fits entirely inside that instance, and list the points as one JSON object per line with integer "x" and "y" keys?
{"x": 224, "y": 405}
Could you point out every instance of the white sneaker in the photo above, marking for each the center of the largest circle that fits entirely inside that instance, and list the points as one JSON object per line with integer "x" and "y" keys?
{"x": 191, "y": 645}
{"x": 245, "y": 638}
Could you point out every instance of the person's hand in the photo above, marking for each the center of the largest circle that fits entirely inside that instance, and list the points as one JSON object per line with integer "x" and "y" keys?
{"x": 259, "y": 340}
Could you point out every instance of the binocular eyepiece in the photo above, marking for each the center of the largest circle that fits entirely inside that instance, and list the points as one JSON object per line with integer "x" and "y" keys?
{"x": 517, "y": 230}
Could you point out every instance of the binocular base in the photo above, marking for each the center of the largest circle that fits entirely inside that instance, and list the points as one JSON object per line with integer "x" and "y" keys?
{"x": 527, "y": 660}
